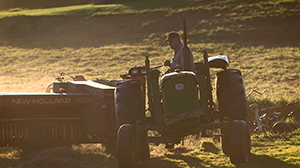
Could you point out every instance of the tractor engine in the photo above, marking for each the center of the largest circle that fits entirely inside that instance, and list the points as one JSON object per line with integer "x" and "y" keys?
{"x": 180, "y": 95}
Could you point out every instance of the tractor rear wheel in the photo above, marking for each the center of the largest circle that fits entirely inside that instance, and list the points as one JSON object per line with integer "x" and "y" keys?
{"x": 127, "y": 151}
{"x": 231, "y": 95}
{"x": 239, "y": 142}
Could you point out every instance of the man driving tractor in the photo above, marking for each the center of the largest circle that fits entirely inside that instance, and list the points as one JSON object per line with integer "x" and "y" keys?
{"x": 175, "y": 42}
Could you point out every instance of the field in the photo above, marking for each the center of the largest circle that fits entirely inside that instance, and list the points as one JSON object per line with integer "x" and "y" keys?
{"x": 260, "y": 37}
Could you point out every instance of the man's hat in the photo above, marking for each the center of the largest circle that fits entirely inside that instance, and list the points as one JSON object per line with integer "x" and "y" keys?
{"x": 172, "y": 35}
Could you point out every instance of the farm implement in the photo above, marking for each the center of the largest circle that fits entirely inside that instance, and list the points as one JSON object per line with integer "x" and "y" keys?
{"x": 77, "y": 112}
{"x": 270, "y": 118}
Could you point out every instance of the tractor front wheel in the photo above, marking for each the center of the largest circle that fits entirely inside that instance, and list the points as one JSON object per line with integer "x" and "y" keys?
{"x": 129, "y": 102}
{"x": 239, "y": 142}
{"x": 127, "y": 151}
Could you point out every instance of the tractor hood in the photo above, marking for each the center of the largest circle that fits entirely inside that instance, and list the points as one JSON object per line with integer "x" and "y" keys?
{"x": 180, "y": 74}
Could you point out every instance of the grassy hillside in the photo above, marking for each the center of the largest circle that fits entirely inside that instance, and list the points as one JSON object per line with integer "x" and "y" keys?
{"x": 260, "y": 37}
{"x": 33, "y": 4}
{"x": 103, "y": 41}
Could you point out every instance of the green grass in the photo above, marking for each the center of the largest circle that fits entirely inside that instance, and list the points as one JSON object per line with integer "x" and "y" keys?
{"x": 103, "y": 41}
{"x": 263, "y": 71}
{"x": 268, "y": 151}
{"x": 240, "y": 9}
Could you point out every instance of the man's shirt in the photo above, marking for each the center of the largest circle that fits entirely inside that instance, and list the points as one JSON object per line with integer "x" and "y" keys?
{"x": 178, "y": 57}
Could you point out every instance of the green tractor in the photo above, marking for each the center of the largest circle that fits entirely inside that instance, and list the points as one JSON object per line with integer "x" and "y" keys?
{"x": 180, "y": 104}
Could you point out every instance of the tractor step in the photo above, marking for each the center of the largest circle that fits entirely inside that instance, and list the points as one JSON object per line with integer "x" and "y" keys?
{"x": 184, "y": 116}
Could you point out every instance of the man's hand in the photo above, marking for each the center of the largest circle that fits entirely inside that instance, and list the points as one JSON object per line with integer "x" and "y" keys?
{"x": 167, "y": 63}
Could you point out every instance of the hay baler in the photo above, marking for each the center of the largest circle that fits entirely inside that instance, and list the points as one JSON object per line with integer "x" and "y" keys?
{"x": 77, "y": 112}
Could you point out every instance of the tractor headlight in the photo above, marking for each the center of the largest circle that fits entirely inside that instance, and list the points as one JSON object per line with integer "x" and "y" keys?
{"x": 143, "y": 71}
{"x": 133, "y": 71}
{"x": 137, "y": 71}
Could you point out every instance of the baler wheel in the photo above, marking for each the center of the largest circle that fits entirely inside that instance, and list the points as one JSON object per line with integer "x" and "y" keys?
{"x": 225, "y": 141}
{"x": 264, "y": 129}
{"x": 127, "y": 151}
{"x": 239, "y": 142}
{"x": 281, "y": 127}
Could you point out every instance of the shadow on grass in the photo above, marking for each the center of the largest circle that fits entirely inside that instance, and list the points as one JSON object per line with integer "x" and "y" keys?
{"x": 210, "y": 147}
{"x": 180, "y": 157}
{"x": 143, "y": 5}
{"x": 176, "y": 161}
{"x": 173, "y": 161}
{"x": 59, "y": 157}
{"x": 263, "y": 161}
{"x": 90, "y": 156}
